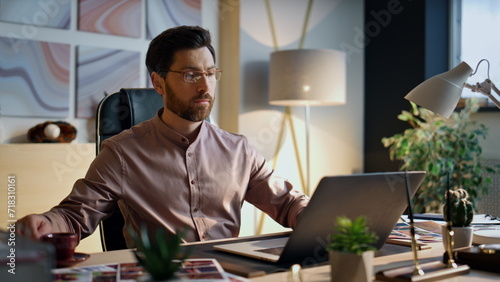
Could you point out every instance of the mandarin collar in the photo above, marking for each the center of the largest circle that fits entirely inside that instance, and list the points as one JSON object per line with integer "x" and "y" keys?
{"x": 172, "y": 135}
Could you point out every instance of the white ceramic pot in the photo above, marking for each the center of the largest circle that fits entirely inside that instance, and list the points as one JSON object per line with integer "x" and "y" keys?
{"x": 351, "y": 267}
{"x": 462, "y": 236}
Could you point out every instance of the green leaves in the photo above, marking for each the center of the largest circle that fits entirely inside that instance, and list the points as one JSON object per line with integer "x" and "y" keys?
{"x": 438, "y": 145}
{"x": 352, "y": 236}
{"x": 161, "y": 255}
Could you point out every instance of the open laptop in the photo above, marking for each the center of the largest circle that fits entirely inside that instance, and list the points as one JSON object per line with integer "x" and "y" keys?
{"x": 380, "y": 197}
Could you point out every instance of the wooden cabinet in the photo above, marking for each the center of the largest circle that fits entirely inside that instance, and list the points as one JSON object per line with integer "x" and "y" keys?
{"x": 43, "y": 175}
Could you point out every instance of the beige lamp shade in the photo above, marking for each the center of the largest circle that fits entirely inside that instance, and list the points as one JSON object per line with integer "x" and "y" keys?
{"x": 442, "y": 92}
{"x": 307, "y": 77}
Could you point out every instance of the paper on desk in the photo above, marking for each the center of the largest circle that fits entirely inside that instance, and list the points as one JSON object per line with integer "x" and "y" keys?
{"x": 478, "y": 219}
{"x": 200, "y": 270}
{"x": 485, "y": 219}
{"x": 423, "y": 233}
{"x": 430, "y": 226}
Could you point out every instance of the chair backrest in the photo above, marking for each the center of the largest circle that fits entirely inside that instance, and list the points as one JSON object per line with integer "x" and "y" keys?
{"x": 115, "y": 113}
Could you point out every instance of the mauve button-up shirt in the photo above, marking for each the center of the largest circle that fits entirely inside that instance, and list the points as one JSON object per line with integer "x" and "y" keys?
{"x": 158, "y": 178}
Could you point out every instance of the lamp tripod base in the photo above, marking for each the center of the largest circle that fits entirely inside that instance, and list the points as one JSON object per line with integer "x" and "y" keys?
{"x": 433, "y": 271}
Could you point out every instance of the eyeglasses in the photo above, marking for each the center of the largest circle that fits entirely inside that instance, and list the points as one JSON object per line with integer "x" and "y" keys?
{"x": 191, "y": 76}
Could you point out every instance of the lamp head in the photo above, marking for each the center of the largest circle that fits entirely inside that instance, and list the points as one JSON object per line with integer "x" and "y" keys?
{"x": 442, "y": 92}
{"x": 307, "y": 77}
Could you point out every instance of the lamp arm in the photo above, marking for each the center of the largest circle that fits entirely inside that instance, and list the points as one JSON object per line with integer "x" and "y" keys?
{"x": 485, "y": 89}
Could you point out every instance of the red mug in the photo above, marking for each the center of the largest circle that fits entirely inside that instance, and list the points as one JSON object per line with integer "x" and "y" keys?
{"x": 64, "y": 244}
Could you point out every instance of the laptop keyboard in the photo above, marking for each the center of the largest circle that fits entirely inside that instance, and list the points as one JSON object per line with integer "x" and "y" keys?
{"x": 273, "y": 251}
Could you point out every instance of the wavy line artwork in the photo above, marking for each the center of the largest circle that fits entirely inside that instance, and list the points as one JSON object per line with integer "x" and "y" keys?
{"x": 111, "y": 17}
{"x": 101, "y": 71}
{"x": 34, "y": 78}
{"x": 163, "y": 14}
{"x": 54, "y": 14}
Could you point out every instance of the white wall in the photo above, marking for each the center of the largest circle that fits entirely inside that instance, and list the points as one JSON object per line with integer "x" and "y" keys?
{"x": 336, "y": 136}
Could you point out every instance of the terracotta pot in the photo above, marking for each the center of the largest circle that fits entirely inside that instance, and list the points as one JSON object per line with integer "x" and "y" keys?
{"x": 350, "y": 267}
{"x": 462, "y": 236}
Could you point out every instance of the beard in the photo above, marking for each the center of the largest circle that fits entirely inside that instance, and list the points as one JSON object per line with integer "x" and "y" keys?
{"x": 188, "y": 111}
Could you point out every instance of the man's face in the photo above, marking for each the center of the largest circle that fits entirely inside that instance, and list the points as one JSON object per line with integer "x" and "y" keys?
{"x": 192, "y": 101}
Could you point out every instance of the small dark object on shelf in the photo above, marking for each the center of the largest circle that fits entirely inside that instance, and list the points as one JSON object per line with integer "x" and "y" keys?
{"x": 63, "y": 133}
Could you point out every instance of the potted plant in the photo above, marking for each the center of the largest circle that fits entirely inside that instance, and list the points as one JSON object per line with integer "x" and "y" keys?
{"x": 458, "y": 212}
{"x": 161, "y": 255}
{"x": 350, "y": 252}
{"x": 438, "y": 145}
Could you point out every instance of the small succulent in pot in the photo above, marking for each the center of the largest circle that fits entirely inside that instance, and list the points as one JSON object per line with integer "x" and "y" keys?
{"x": 462, "y": 210}
{"x": 161, "y": 254}
{"x": 353, "y": 236}
{"x": 350, "y": 250}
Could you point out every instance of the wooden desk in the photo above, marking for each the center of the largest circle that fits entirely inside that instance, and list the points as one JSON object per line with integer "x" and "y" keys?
{"x": 389, "y": 256}
{"x": 383, "y": 262}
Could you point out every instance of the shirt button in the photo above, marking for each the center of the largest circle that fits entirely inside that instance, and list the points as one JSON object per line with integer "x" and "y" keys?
{"x": 193, "y": 182}
{"x": 204, "y": 236}
{"x": 190, "y": 154}
{"x": 195, "y": 209}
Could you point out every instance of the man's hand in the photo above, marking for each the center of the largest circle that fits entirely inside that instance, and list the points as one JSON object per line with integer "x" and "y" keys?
{"x": 34, "y": 226}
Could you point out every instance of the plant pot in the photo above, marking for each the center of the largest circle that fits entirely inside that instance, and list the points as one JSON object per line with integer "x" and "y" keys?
{"x": 462, "y": 236}
{"x": 350, "y": 267}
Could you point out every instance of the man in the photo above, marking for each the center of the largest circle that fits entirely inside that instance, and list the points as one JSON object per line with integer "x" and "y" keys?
{"x": 176, "y": 170}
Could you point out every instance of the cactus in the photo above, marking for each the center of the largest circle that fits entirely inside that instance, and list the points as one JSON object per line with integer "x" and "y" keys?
{"x": 461, "y": 208}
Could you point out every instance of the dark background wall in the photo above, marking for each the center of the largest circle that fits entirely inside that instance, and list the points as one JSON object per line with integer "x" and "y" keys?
{"x": 406, "y": 43}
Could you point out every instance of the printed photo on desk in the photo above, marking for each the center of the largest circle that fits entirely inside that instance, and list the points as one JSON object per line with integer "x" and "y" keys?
{"x": 199, "y": 270}
{"x": 400, "y": 235}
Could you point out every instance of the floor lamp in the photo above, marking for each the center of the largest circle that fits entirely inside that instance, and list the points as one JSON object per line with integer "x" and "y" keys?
{"x": 307, "y": 77}
{"x": 303, "y": 77}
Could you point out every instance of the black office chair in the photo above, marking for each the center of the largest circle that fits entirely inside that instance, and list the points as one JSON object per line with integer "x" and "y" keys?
{"x": 115, "y": 113}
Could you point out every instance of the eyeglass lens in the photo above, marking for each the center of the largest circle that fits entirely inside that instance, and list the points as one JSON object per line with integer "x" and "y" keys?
{"x": 194, "y": 76}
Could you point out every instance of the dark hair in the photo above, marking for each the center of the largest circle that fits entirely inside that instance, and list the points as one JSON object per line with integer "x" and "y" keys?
{"x": 163, "y": 47}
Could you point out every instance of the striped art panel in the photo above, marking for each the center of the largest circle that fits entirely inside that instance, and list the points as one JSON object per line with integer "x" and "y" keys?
{"x": 100, "y": 71}
{"x": 111, "y": 17}
{"x": 164, "y": 14}
{"x": 54, "y": 14}
{"x": 34, "y": 78}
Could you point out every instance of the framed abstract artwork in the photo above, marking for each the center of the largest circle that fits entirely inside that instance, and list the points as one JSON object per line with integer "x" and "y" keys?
{"x": 100, "y": 71}
{"x": 163, "y": 14}
{"x": 53, "y": 14}
{"x": 34, "y": 78}
{"x": 122, "y": 18}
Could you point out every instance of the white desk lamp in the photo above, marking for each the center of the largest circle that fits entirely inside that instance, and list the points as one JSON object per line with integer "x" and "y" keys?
{"x": 307, "y": 77}
{"x": 442, "y": 92}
